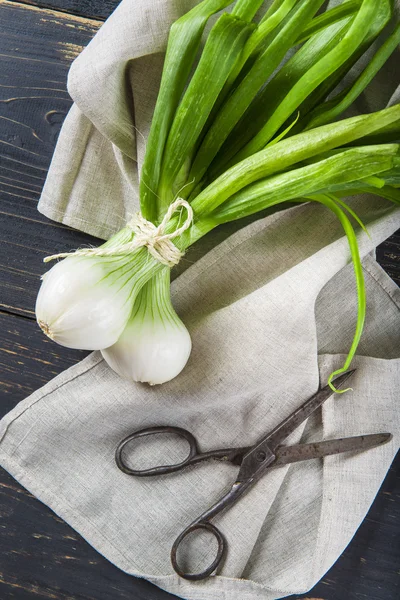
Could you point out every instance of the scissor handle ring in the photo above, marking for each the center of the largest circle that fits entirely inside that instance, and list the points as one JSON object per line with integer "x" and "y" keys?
{"x": 220, "y": 552}
{"x": 160, "y": 470}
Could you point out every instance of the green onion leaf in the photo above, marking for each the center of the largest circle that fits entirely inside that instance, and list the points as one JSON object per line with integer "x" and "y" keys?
{"x": 223, "y": 46}
{"x": 361, "y": 299}
{"x": 283, "y": 133}
{"x": 275, "y": 92}
{"x": 288, "y": 152}
{"x": 246, "y": 9}
{"x": 376, "y": 26}
{"x": 319, "y": 72}
{"x": 328, "y": 18}
{"x": 239, "y": 100}
{"x": 324, "y": 176}
{"x": 329, "y": 111}
{"x": 183, "y": 43}
{"x": 350, "y": 211}
{"x": 260, "y": 35}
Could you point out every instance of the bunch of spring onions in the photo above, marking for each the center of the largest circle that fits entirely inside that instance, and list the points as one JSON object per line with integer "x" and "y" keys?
{"x": 236, "y": 130}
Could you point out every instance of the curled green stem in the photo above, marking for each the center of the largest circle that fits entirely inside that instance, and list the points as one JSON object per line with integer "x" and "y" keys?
{"x": 330, "y": 203}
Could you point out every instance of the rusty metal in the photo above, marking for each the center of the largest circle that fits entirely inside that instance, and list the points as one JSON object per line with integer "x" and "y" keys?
{"x": 233, "y": 455}
{"x": 291, "y": 454}
{"x": 254, "y": 462}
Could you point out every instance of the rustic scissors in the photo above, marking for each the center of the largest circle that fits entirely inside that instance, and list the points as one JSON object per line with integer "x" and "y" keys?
{"x": 254, "y": 462}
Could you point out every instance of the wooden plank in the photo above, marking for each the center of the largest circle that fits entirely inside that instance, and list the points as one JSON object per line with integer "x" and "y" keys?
{"x": 42, "y": 558}
{"x": 388, "y": 256}
{"x": 95, "y": 9}
{"x": 36, "y": 49}
{"x": 63, "y": 566}
{"x": 28, "y": 359}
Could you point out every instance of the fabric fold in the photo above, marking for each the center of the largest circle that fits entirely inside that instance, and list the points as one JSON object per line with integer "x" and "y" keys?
{"x": 76, "y": 421}
{"x": 271, "y": 307}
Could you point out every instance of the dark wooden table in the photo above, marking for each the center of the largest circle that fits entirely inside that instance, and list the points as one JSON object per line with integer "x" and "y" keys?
{"x": 41, "y": 557}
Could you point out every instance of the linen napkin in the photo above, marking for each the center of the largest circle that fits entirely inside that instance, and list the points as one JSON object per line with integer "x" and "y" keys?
{"x": 271, "y": 308}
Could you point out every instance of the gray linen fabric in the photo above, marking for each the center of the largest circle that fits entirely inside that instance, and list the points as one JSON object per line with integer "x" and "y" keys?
{"x": 271, "y": 309}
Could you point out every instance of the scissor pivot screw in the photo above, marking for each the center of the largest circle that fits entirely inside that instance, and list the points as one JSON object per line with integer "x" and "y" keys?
{"x": 261, "y": 455}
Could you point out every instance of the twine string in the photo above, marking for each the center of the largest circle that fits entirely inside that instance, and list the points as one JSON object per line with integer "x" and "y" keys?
{"x": 158, "y": 243}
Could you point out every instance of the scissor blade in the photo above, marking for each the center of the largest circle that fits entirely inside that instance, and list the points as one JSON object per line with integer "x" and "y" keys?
{"x": 284, "y": 429}
{"x": 299, "y": 452}
{"x": 262, "y": 454}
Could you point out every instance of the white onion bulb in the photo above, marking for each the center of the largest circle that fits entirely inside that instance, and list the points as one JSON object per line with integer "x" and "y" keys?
{"x": 155, "y": 345}
{"x": 84, "y": 302}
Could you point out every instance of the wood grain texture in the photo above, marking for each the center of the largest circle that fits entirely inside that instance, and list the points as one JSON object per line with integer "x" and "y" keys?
{"x": 388, "y": 256}
{"x": 36, "y": 50}
{"x": 40, "y": 556}
{"x": 28, "y": 359}
{"x": 95, "y": 9}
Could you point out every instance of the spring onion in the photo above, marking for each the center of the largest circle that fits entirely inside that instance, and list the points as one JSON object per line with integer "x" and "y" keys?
{"x": 155, "y": 345}
{"x": 238, "y": 133}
